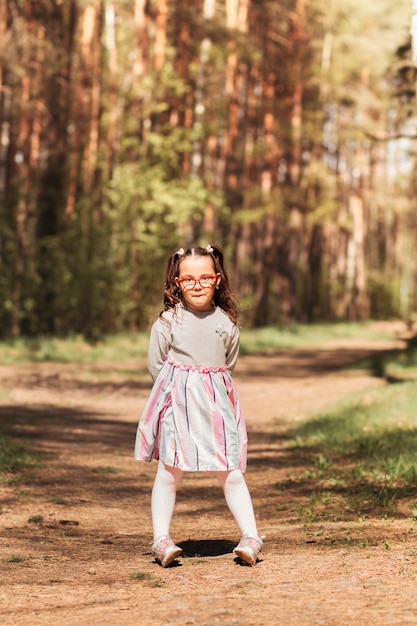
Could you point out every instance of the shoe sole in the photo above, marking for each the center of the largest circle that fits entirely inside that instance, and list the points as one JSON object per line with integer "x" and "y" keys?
{"x": 171, "y": 557}
{"x": 244, "y": 556}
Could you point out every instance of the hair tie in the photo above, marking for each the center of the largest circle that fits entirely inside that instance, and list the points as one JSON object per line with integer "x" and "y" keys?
{"x": 209, "y": 249}
{"x": 180, "y": 252}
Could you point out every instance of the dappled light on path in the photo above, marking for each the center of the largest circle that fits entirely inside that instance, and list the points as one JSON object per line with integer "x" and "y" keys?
{"x": 75, "y": 532}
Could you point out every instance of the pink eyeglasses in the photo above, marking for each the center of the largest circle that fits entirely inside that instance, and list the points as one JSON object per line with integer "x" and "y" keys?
{"x": 205, "y": 282}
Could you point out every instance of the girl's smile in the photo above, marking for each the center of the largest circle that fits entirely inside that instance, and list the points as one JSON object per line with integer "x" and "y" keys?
{"x": 197, "y": 280}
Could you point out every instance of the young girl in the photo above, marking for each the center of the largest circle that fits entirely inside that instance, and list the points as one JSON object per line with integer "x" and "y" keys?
{"x": 193, "y": 419}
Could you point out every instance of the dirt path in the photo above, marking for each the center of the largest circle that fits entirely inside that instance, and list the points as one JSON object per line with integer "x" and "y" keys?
{"x": 88, "y": 561}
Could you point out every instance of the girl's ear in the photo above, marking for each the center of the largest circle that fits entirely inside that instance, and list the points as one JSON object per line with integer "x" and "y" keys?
{"x": 218, "y": 280}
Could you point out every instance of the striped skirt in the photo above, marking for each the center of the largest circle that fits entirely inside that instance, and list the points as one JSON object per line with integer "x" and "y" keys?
{"x": 193, "y": 420}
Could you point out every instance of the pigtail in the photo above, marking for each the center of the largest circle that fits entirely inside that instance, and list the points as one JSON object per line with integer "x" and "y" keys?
{"x": 223, "y": 295}
{"x": 172, "y": 293}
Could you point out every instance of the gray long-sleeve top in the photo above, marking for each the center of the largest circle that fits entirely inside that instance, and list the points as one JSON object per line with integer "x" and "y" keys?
{"x": 207, "y": 339}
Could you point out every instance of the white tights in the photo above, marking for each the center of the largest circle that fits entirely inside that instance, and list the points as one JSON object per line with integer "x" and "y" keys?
{"x": 235, "y": 490}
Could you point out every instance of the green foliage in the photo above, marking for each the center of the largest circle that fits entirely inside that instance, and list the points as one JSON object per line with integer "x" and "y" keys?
{"x": 100, "y": 268}
{"x": 365, "y": 37}
{"x": 86, "y": 227}
{"x": 384, "y": 297}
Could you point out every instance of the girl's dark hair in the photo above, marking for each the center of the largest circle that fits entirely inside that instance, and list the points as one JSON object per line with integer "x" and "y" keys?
{"x": 223, "y": 295}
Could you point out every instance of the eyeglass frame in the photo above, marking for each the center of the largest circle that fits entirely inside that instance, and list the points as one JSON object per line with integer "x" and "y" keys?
{"x": 212, "y": 277}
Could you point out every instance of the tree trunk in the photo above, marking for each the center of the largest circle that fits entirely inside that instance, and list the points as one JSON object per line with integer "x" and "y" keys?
{"x": 141, "y": 44}
{"x": 414, "y": 33}
{"x": 161, "y": 34}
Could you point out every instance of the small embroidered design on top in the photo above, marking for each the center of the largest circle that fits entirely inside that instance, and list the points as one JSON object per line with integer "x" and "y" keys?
{"x": 220, "y": 330}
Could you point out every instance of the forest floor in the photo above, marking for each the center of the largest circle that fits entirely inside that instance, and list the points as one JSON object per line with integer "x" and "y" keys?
{"x": 75, "y": 534}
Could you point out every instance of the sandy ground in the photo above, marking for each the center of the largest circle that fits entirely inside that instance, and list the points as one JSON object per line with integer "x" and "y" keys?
{"x": 88, "y": 561}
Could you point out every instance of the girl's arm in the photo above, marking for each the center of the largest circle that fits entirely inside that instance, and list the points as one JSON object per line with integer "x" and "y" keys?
{"x": 233, "y": 349}
{"x": 159, "y": 344}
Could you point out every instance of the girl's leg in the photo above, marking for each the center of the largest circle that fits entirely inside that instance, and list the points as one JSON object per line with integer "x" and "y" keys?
{"x": 239, "y": 501}
{"x": 164, "y": 492}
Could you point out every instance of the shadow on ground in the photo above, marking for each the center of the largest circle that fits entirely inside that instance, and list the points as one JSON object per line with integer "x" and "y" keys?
{"x": 206, "y": 547}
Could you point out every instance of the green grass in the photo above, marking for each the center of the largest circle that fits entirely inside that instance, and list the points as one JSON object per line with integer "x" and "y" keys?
{"x": 16, "y": 456}
{"x": 394, "y": 365}
{"x": 149, "y": 580}
{"x": 360, "y": 455}
{"x": 16, "y": 558}
{"x": 118, "y": 348}
{"x": 106, "y": 470}
{"x": 125, "y": 348}
{"x": 294, "y": 336}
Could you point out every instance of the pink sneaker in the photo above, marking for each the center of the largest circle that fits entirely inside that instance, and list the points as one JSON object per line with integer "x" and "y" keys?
{"x": 248, "y": 549}
{"x": 165, "y": 550}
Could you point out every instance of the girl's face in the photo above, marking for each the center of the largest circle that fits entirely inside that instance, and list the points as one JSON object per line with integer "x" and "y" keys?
{"x": 197, "y": 280}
